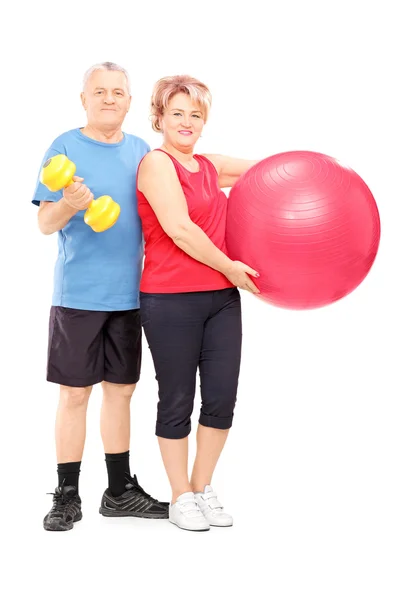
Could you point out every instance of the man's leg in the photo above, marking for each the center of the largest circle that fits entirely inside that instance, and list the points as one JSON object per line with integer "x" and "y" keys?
{"x": 123, "y": 354}
{"x": 76, "y": 362}
{"x": 115, "y": 432}
{"x": 71, "y": 433}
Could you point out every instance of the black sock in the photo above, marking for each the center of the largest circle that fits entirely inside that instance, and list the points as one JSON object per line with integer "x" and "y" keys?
{"x": 117, "y": 468}
{"x": 68, "y": 474}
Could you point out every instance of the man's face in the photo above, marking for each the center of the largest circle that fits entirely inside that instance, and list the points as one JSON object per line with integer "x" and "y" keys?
{"x": 106, "y": 99}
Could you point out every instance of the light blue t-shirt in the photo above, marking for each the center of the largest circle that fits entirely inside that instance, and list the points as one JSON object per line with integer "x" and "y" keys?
{"x": 99, "y": 271}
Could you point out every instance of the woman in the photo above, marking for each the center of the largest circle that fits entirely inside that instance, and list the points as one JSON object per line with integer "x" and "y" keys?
{"x": 190, "y": 303}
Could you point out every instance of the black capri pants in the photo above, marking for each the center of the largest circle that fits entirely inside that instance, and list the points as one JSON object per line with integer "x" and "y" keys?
{"x": 186, "y": 332}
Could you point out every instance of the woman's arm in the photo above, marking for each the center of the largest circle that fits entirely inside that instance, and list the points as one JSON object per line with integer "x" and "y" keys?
{"x": 158, "y": 181}
{"x": 229, "y": 169}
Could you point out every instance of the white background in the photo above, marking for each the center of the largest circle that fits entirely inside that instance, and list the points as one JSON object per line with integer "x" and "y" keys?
{"x": 311, "y": 469}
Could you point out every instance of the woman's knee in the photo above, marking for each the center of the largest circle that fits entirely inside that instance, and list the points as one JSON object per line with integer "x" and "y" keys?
{"x": 217, "y": 409}
{"x": 174, "y": 415}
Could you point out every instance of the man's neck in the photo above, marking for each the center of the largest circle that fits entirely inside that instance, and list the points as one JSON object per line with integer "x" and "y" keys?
{"x": 111, "y": 136}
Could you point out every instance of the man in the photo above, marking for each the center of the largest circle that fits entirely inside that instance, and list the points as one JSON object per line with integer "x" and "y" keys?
{"x": 95, "y": 327}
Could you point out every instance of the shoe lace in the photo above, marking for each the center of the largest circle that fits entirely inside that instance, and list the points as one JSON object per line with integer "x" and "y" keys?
{"x": 61, "y": 503}
{"x": 130, "y": 480}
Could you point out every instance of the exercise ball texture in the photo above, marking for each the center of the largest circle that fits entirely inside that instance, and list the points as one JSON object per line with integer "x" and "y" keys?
{"x": 309, "y": 225}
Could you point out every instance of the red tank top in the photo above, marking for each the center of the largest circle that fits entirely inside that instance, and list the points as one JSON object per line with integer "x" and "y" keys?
{"x": 167, "y": 268}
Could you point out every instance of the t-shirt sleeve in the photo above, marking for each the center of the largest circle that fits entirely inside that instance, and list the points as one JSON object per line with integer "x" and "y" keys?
{"x": 42, "y": 193}
{"x": 144, "y": 148}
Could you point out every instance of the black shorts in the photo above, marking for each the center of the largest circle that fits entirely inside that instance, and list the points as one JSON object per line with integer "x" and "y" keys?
{"x": 88, "y": 346}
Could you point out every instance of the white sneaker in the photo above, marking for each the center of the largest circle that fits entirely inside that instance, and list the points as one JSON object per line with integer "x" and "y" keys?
{"x": 186, "y": 514}
{"x": 212, "y": 509}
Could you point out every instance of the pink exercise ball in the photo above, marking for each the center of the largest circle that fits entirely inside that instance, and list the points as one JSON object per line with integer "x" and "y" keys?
{"x": 308, "y": 224}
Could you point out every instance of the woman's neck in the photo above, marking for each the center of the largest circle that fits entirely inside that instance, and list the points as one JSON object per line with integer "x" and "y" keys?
{"x": 183, "y": 156}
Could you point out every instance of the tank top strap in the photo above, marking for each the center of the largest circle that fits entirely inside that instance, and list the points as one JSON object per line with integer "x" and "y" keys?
{"x": 202, "y": 161}
{"x": 206, "y": 162}
{"x": 180, "y": 168}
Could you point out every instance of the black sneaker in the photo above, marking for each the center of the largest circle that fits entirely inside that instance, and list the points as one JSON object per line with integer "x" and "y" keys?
{"x": 135, "y": 502}
{"x": 66, "y": 509}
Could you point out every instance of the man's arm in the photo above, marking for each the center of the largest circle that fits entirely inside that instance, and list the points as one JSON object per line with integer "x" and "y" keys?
{"x": 53, "y": 216}
{"x": 57, "y": 208}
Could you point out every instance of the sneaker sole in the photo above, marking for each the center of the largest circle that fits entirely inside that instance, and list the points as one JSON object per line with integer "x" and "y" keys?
{"x": 187, "y": 528}
{"x": 126, "y": 513}
{"x": 57, "y": 527}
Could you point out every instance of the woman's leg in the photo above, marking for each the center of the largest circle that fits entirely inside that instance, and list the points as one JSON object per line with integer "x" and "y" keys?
{"x": 210, "y": 443}
{"x": 175, "y": 458}
{"x": 173, "y": 325}
{"x": 219, "y": 374}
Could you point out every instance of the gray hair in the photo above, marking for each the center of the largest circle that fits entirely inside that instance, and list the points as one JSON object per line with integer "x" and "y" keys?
{"x": 106, "y": 66}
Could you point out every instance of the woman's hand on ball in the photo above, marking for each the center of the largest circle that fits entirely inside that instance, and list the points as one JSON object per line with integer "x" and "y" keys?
{"x": 238, "y": 274}
{"x": 78, "y": 195}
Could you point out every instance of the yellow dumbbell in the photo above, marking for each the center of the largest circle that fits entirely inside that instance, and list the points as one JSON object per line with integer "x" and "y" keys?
{"x": 57, "y": 173}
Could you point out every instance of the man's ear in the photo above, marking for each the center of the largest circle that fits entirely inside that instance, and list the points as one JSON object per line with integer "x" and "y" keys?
{"x": 83, "y": 100}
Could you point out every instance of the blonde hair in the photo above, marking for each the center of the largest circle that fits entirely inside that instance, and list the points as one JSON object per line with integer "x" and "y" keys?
{"x": 167, "y": 87}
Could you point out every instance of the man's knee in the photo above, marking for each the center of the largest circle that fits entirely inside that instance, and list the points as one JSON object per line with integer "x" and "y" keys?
{"x": 114, "y": 392}
{"x": 74, "y": 397}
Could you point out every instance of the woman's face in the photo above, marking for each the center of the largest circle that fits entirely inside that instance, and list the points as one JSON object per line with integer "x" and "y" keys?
{"x": 182, "y": 122}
